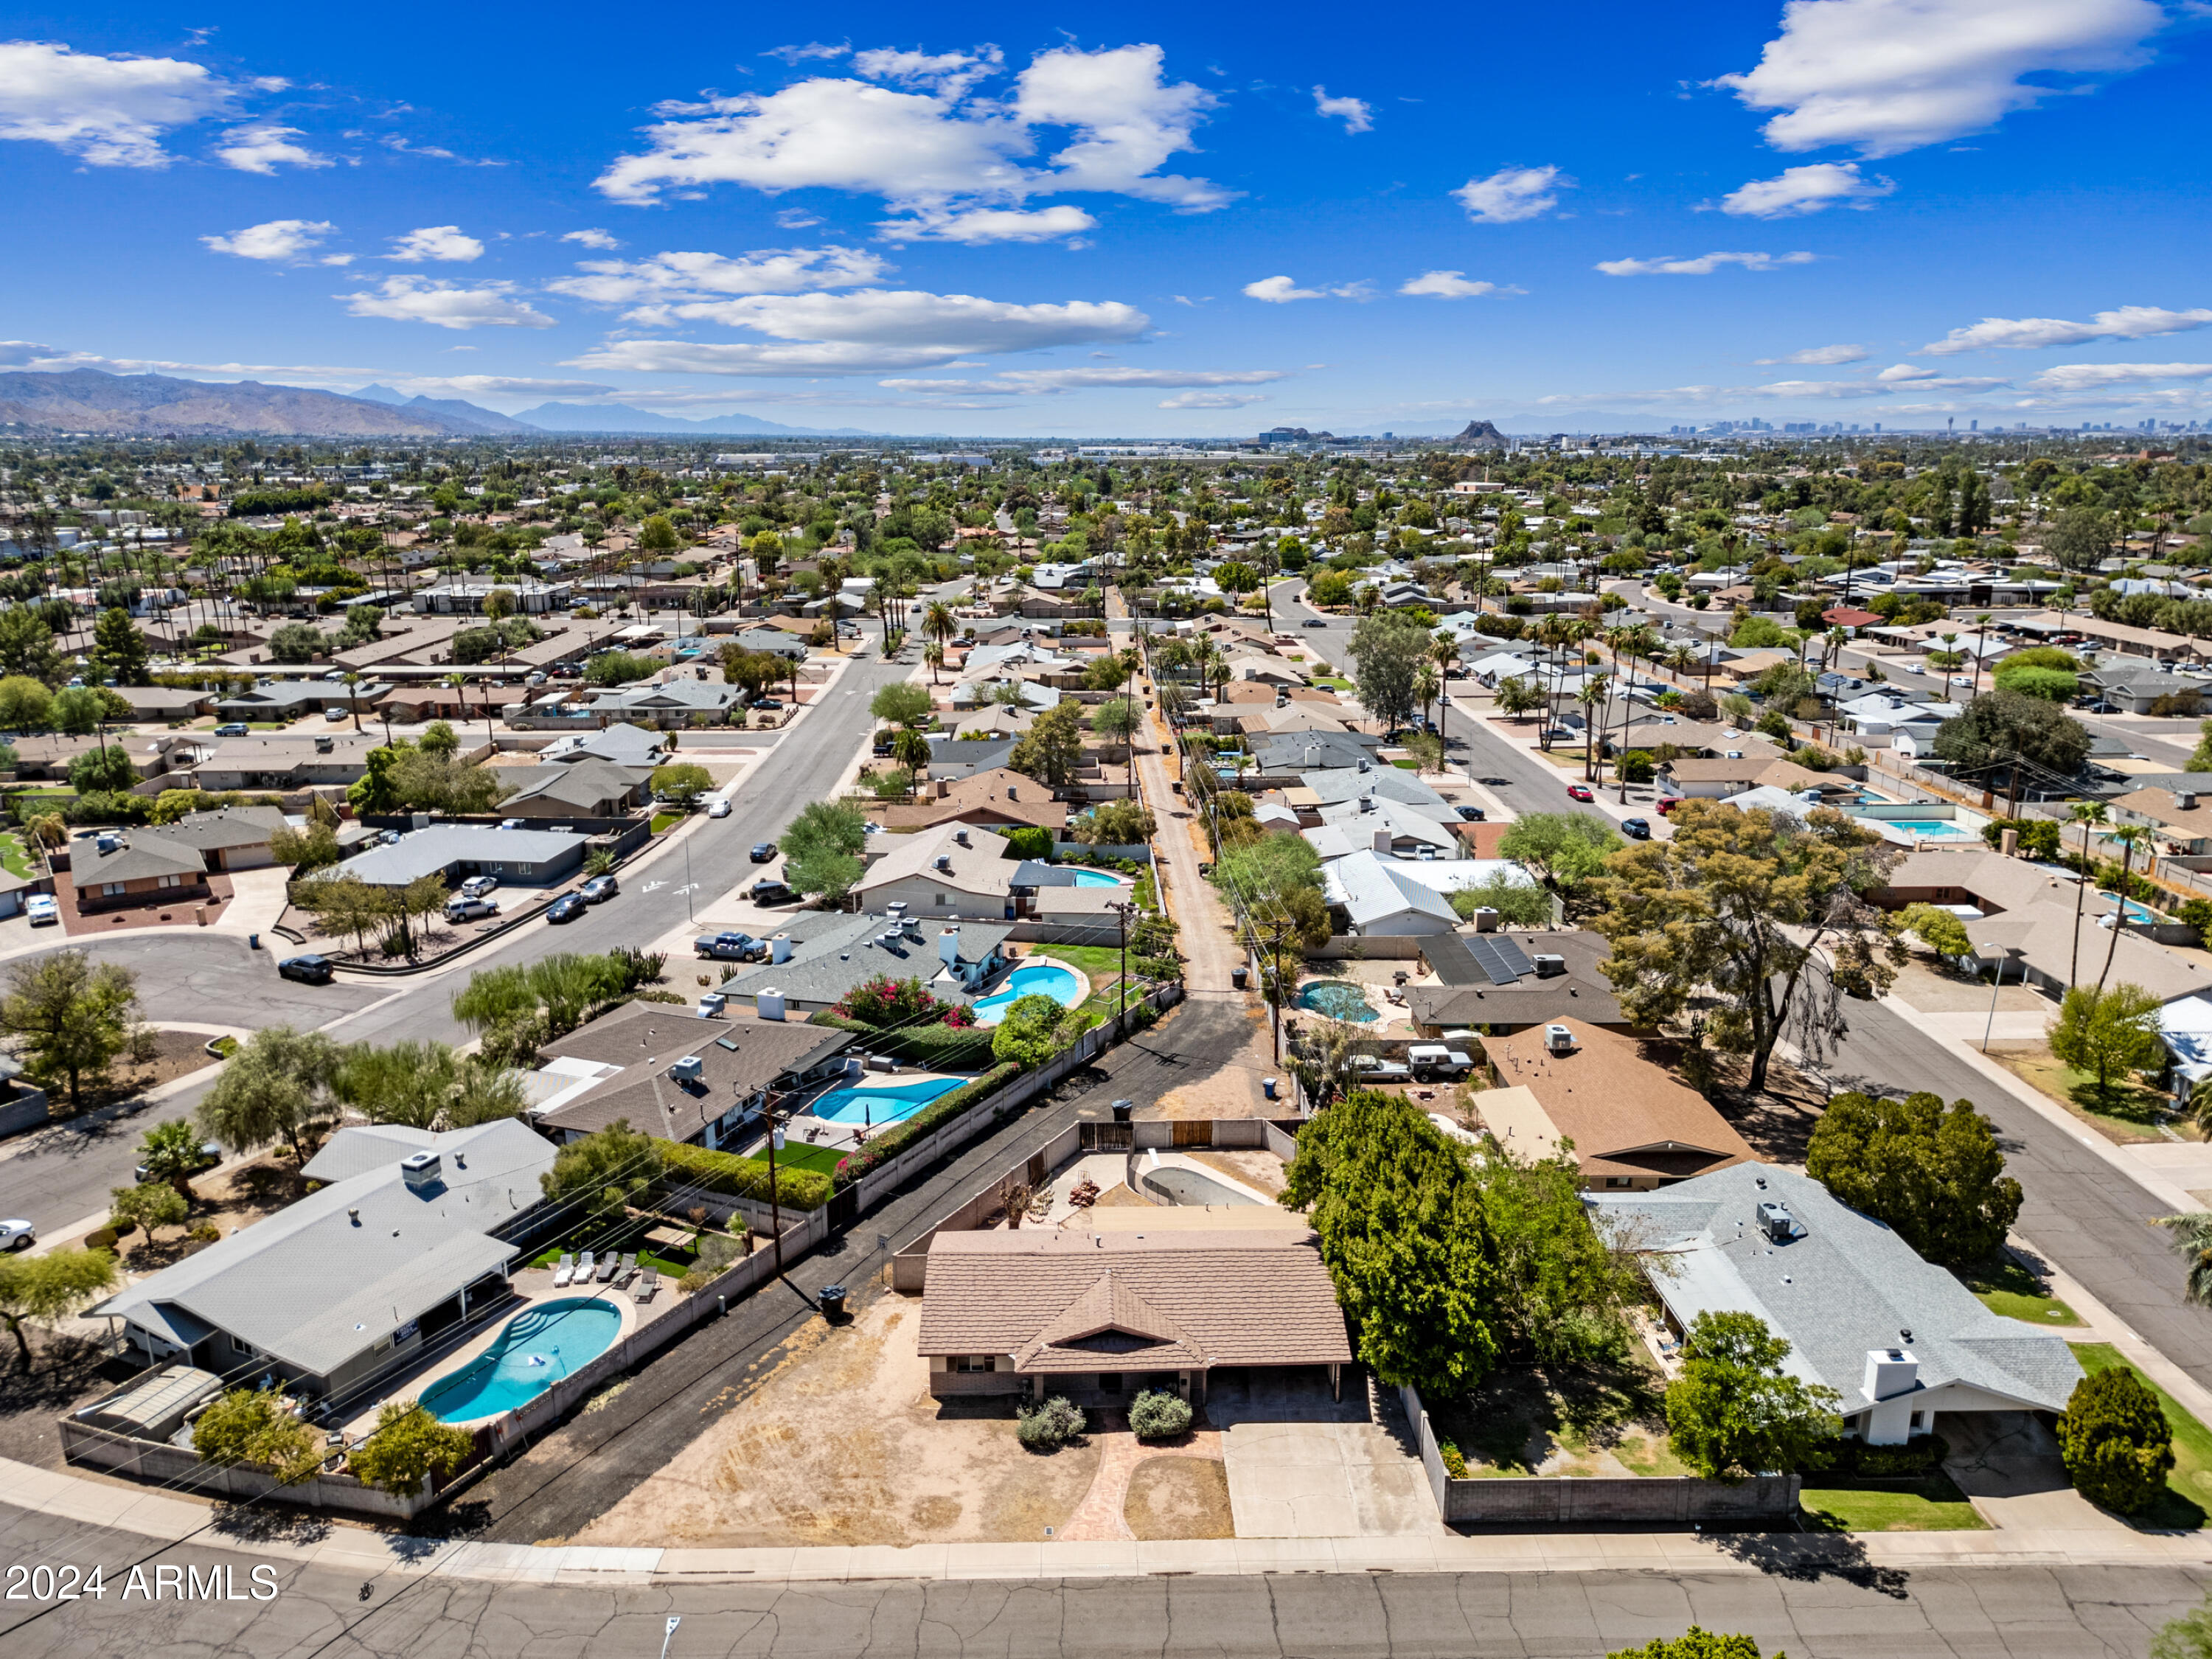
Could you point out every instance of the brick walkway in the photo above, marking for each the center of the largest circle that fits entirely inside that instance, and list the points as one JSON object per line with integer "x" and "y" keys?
{"x": 1101, "y": 1516}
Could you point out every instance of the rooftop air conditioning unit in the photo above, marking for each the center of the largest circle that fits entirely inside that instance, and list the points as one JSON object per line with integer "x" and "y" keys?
{"x": 420, "y": 1170}
{"x": 1548, "y": 967}
{"x": 1776, "y": 1222}
{"x": 2185, "y": 800}
{"x": 690, "y": 1069}
{"x": 944, "y": 861}
{"x": 1559, "y": 1040}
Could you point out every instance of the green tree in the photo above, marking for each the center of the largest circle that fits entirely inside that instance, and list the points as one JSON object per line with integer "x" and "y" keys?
{"x": 71, "y": 1016}
{"x": 2114, "y": 1029}
{"x": 1051, "y": 750}
{"x": 408, "y": 1446}
{"x": 2115, "y": 1441}
{"x": 27, "y": 648}
{"x": 2187, "y": 1637}
{"x": 1695, "y": 1642}
{"x": 37, "y": 1290}
{"x": 604, "y": 1170}
{"x": 901, "y": 703}
{"x": 821, "y": 849}
{"x": 2001, "y": 727}
{"x": 1935, "y": 1175}
{"x": 105, "y": 770}
{"x": 170, "y": 1152}
{"x": 1398, "y": 1213}
{"x": 1565, "y": 848}
{"x": 1741, "y": 905}
{"x": 1386, "y": 650}
{"x": 1939, "y": 929}
{"x": 439, "y": 738}
{"x": 1560, "y": 1285}
{"x": 682, "y": 782}
{"x": 1517, "y": 697}
{"x": 118, "y": 649}
{"x": 618, "y": 668}
{"x": 275, "y": 1088}
{"x": 2051, "y": 684}
{"x": 26, "y": 705}
{"x": 377, "y": 790}
{"x": 254, "y": 1427}
{"x": 1029, "y": 1033}
{"x": 79, "y": 710}
{"x": 294, "y": 642}
{"x": 426, "y": 1085}
{"x": 1734, "y": 1411}
{"x": 149, "y": 1205}
{"x": 2192, "y": 1242}
{"x": 301, "y": 851}
{"x": 1518, "y": 903}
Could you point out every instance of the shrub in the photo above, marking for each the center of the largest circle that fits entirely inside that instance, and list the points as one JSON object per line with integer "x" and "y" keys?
{"x": 1454, "y": 1460}
{"x": 944, "y": 1047}
{"x": 1917, "y": 1455}
{"x": 2115, "y": 1442}
{"x": 101, "y": 1238}
{"x": 1029, "y": 842}
{"x": 206, "y": 1233}
{"x": 743, "y": 1177}
{"x": 1155, "y": 1414}
{"x": 1051, "y": 1425}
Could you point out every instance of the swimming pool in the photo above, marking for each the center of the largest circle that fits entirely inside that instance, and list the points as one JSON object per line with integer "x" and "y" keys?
{"x": 2136, "y": 912}
{"x": 1047, "y": 979}
{"x": 1096, "y": 878}
{"x": 874, "y": 1107}
{"x": 1336, "y": 999}
{"x": 1933, "y": 828}
{"x": 537, "y": 1347}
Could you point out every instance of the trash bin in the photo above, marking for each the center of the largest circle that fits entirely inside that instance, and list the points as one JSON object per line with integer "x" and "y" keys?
{"x": 1238, "y": 976}
{"x": 1267, "y": 1087}
{"x": 1121, "y": 1110}
{"x": 253, "y": 941}
{"x": 832, "y": 1300}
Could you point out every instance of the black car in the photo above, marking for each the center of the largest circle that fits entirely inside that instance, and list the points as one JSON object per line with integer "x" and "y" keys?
{"x": 1636, "y": 829}
{"x": 1316, "y": 622}
{"x": 567, "y": 908}
{"x": 1470, "y": 814}
{"x": 309, "y": 970}
{"x": 598, "y": 889}
{"x": 767, "y": 891}
{"x": 764, "y": 852}
{"x": 1495, "y": 783}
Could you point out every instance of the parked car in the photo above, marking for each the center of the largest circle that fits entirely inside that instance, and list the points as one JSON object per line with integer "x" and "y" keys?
{"x": 309, "y": 970}
{"x": 1636, "y": 829}
{"x": 42, "y": 910}
{"x": 1315, "y": 622}
{"x": 1374, "y": 1067}
{"x": 514, "y": 824}
{"x": 768, "y": 702}
{"x": 567, "y": 908}
{"x": 334, "y": 711}
{"x": 764, "y": 852}
{"x": 1470, "y": 814}
{"x": 731, "y": 946}
{"x": 1579, "y": 791}
{"x": 1667, "y": 804}
{"x": 211, "y": 1155}
{"x": 718, "y": 808}
{"x": 769, "y": 891}
{"x": 17, "y": 1235}
{"x": 471, "y": 909}
{"x": 232, "y": 729}
{"x": 1433, "y": 1060}
{"x": 598, "y": 889}
{"x": 478, "y": 886}
{"x": 1495, "y": 783}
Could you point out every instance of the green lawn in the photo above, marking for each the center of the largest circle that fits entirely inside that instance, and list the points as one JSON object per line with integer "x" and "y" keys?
{"x": 2189, "y": 1484}
{"x": 2005, "y": 1287}
{"x": 1930, "y": 1505}
{"x": 2125, "y": 1112}
{"x": 662, "y": 820}
{"x": 797, "y": 1155}
{"x": 13, "y": 857}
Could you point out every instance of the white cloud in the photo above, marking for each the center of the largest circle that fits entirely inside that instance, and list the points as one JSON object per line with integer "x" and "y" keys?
{"x": 1704, "y": 265}
{"x": 1815, "y": 389}
{"x": 447, "y": 305}
{"x": 107, "y": 111}
{"x": 1913, "y": 378}
{"x": 445, "y": 243}
{"x": 599, "y": 239}
{"x": 493, "y": 385}
{"x": 937, "y": 147}
{"x": 869, "y": 330}
{"x": 948, "y": 73}
{"x": 1282, "y": 291}
{"x": 1889, "y": 76}
{"x": 796, "y": 219}
{"x": 1826, "y": 354}
{"x": 1449, "y": 285}
{"x": 261, "y": 148}
{"x": 666, "y": 276}
{"x": 1357, "y": 113}
{"x": 1213, "y": 399}
{"x": 977, "y": 226}
{"x": 811, "y": 49}
{"x": 2085, "y": 377}
{"x": 1512, "y": 194}
{"x": 1047, "y": 382}
{"x": 1810, "y": 188}
{"x": 2030, "y": 333}
{"x": 279, "y": 239}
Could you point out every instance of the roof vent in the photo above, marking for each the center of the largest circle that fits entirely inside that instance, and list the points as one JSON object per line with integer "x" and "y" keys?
{"x": 2185, "y": 800}
{"x": 944, "y": 861}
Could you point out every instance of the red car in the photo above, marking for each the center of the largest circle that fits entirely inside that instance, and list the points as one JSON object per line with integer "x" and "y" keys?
{"x": 1668, "y": 803}
{"x": 1579, "y": 791}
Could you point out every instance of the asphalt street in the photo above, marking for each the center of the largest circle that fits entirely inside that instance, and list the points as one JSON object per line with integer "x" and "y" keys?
{"x": 1847, "y": 1611}
{"x": 64, "y": 1174}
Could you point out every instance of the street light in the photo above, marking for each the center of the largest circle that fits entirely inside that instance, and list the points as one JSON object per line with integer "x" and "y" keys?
{"x": 2002, "y": 952}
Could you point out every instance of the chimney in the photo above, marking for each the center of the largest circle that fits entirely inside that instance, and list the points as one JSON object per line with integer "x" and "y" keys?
{"x": 778, "y": 948}
{"x": 421, "y": 1169}
{"x": 768, "y": 1002}
{"x": 1889, "y": 1372}
{"x": 948, "y": 947}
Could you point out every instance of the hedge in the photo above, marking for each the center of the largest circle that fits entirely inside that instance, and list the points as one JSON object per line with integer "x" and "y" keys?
{"x": 931, "y": 1118}
{"x": 936, "y": 1048}
{"x": 743, "y": 1177}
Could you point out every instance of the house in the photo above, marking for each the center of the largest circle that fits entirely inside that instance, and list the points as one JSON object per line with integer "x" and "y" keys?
{"x": 953, "y": 759}
{"x": 141, "y": 867}
{"x": 165, "y": 702}
{"x": 675, "y": 702}
{"x": 1001, "y": 798}
{"x": 1899, "y": 1340}
{"x": 2181, "y": 824}
{"x": 1714, "y": 780}
{"x": 623, "y": 743}
{"x": 1378, "y": 899}
{"x": 50, "y": 755}
{"x": 1494, "y": 984}
{"x": 1097, "y": 1316}
{"x": 951, "y": 871}
{"x": 2137, "y": 687}
{"x": 286, "y": 763}
{"x": 1631, "y": 1124}
{"x": 589, "y": 789}
{"x": 622, "y": 1067}
{"x": 408, "y": 1229}
{"x": 531, "y": 599}
{"x": 522, "y": 858}
{"x": 776, "y": 641}
{"x": 1384, "y": 825}
{"x": 229, "y": 838}
{"x": 955, "y": 961}
{"x": 282, "y": 701}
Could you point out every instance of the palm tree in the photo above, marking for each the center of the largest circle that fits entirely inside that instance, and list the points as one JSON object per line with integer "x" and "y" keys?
{"x": 937, "y": 621}
{"x": 1982, "y": 636}
{"x": 933, "y": 655}
{"x": 1427, "y": 685}
{"x": 353, "y": 697}
{"x": 2087, "y": 814}
{"x": 2129, "y": 838}
{"x": 2192, "y": 1242}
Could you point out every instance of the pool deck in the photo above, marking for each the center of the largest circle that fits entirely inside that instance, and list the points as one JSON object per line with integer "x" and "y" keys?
{"x": 1044, "y": 959}
{"x": 813, "y": 1131}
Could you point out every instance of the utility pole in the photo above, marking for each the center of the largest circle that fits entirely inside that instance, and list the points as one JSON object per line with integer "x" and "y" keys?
{"x": 1123, "y": 909}
{"x": 775, "y": 1204}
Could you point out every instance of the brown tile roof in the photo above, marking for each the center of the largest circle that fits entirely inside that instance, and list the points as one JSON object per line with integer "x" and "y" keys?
{"x": 1626, "y": 1115}
{"x": 998, "y": 796}
{"x": 1060, "y": 1301}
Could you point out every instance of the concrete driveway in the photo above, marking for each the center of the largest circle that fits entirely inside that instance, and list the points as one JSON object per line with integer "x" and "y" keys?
{"x": 2008, "y": 1465}
{"x": 1301, "y": 1465}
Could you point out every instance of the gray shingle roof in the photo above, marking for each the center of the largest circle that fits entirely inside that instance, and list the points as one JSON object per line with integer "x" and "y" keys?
{"x": 823, "y": 967}
{"x": 227, "y": 826}
{"x": 147, "y": 854}
{"x": 738, "y": 1059}
{"x": 420, "y": 851}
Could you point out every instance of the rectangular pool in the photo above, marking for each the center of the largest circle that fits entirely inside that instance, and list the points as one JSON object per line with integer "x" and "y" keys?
{"x": 872, "y": 1107}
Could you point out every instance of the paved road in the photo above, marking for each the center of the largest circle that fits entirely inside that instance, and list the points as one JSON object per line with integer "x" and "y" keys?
{"x": 2014, "y": 1612}
{"x": 65, "y": 1175}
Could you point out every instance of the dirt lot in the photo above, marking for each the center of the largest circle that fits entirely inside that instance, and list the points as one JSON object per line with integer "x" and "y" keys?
{"x": 176, "y": 1053}
{"x": 1179, "y": 1498}
{"x": 1261, "y": 1170}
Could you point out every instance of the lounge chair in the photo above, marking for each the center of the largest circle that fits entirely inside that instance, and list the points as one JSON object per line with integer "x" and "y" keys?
{"x": 627, "y": 1271}
{"x": 564, "y": 1269}
{"x": 607, "y": 1268}
{"x": 583, "y": 1269}
{"x": 649, "y": 1285}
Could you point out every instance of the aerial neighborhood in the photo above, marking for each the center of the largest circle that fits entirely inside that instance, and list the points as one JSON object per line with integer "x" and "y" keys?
{"x": 1309, "y": 991}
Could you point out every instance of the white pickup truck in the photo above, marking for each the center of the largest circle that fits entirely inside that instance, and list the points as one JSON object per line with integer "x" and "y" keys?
{"x": 1434, "y": 1060}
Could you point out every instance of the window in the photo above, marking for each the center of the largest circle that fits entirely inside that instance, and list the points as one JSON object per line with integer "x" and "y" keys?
{"x": 941, "y": 899}
{"x": 172, "y": 881}
{"x": 971, "y": 1362}
{"x": 1618, "y": 1181}
{"x": 1109, "y": 1382}
{"x": 1917, "y": 1422}
{"x": 113, "y": 889}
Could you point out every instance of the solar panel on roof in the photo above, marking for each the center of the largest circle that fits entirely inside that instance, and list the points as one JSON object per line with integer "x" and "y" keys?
{"x": 1513, "y": 956}
{"x": 1493, "y": 960}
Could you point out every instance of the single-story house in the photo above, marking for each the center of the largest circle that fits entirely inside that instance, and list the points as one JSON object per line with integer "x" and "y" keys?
{"x": 1901, "y": 1340}
{"x": 532, "y": 598}
{"x": 1500, "y": 982}
{"x": 1633, "y": 1125}
{"x": 1097, "y": 1316}
{"x": 676, "y": 703}
{"x": 286, "y": 763}
{"x": 165, "y": 702}
{"x": 1379, "y": 898}
{"x": 404, "y": 1236}
{"x": 282, "y": 699}
{"x": 521, "y": 858}
{"x": 623, "y": 1067}
{"x": 951, "y": 871}
{"x": 587, "y": 789}
{"x": 954, "y": 960}
{"x": 953, "y": 760}
{"x": 1383, "y": 826}
{"x": 776, "y": 641}
{"x": 1714, "y": 780}
{"x": 144, "y": 867}
{"x": 1000, "y": 798}
{"x": 621, "y": 742}
{"x": 2181, "y": 819}
{"x": 229, "y": 838}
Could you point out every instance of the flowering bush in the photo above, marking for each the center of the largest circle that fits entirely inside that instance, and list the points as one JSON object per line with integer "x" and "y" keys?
{"x": 884, "y": 1000}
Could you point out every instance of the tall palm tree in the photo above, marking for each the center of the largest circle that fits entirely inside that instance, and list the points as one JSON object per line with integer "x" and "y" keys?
{"x": 353, "y": 697}
{"x": 2192, "y": 1243}
{"x": 2129, "y": 838}
{"x": 2088, "y": 814}
{"x": 1981, "y": 637}
{"x": 1427, "y": 683}
{"x": 933, "y": 655}
{"x": 938, "y": 621}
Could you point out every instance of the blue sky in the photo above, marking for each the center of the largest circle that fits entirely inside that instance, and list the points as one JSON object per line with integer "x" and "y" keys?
{"x": 1860, "y": 211}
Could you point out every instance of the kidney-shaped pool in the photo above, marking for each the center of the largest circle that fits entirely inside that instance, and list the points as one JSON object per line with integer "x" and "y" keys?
{"x": 537, "y": 1347}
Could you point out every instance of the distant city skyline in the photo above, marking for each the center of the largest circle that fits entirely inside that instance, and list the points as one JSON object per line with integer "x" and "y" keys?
{"x": 1834, "y": 212}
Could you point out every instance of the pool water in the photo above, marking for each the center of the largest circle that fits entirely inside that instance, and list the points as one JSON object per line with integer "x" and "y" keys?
{"x": 1096, "y": 878}
{"x": 1934, "y": 828}
{"x": 1336, "y": 999}
{"x": 874, "y": 1107}
{"x": 1047, "y": 979}
{"x": 2136, "y": 912}
{"x": 538, "y": 1349}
